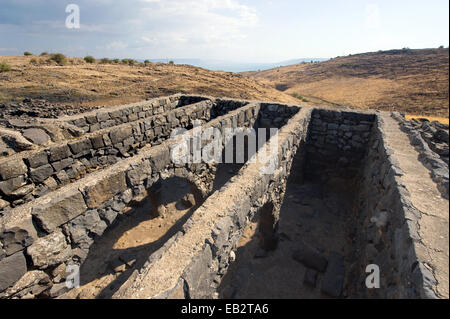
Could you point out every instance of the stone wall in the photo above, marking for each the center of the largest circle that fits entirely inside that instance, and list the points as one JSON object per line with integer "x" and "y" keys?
{"x": 386, "y": 228}
{"x": 30, "y": 175}
{"x": 337, "y": 143}
{"x": 101, "y": 119}
{"x": 204, "y": 253}
{"x": 38, "y": 239}
{"x": 427, "y": 146}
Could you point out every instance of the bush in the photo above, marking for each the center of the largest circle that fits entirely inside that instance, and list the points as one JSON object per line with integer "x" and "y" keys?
{"x": 4, "y": 67}
{"x": 44, "y": 53}
{"x": 105, "y": 61}
{"x": 33, "y": 61}
{"x": 89, "y": 59}
{"x": 58, "y": 58}
{"x": 131, "y": 62}
{"x": 26, "y": 53}
{"x": 171, "y": 62}
{"x": 147, "y": 62}
{"x": 125, "y": 61}
{"x": 298, "y": 96}
{"x": 116, "y": 61}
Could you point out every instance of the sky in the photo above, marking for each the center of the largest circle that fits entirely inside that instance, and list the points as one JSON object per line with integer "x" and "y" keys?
{"x": 254, "y": 31}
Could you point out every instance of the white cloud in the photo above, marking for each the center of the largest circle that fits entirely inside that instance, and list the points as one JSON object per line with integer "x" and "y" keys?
{"x": 201, "y": 22}
{"x": 373, "y": 19}
{"x": 116, "y": 45}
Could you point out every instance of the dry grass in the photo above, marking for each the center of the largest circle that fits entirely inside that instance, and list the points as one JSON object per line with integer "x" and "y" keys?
{"x": 411, "y": 81}
{"x": 443, "y": 120}
{"x": 87, "y": 84}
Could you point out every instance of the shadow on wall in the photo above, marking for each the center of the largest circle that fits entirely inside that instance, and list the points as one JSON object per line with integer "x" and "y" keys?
{"x": 135, "y": 235}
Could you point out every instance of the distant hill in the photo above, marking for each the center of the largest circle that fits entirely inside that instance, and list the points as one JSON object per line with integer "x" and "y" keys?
{"x": 411, "y": 81}
{"x": 86, "y": 84}
{"x": 227, "y": 66}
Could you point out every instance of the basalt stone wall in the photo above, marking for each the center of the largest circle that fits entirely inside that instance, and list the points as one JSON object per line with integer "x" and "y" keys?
{"x": 213, "y": 250}
{"x": 40, "y": 238}
{"x": 386, "y": 229}
{"x": 432, "y": 154}
{"x": 337, "y": 143}
{"x": 34, "y": 174}
{"x": 97, "y": 120}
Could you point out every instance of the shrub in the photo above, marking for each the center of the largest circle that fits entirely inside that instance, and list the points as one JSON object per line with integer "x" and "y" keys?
{"x": 89, "y": 59}
{"x": 125, "y": 61}
{"x": 58, "y": 58}
{"x": 4, "y": 67}
{"x": 298, "y": 96}
{"x": 44, "y": 53}
{"x": 441, "y": 47}
{"x": 33, "y": 61}
{"x": 116, "y": 61}
{"x": 147, "y": 62}
{"x": 26, "y": 53}
{"x": 105, "y": 61}
{"x": 131, "y": 62}
{"x": 171, "y": 62}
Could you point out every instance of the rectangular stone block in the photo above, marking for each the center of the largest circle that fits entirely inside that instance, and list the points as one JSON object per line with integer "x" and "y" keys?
{"x": 38, "y": 159}
{"x": 49, "y": 250}
{"x": 58, "y": 153}
{"x": 80, "y": 146}
{"x": 97, "y": 141}
{"x": 60, "y": 209}
{"x": 9, "y": 186}
{"x": 120, "y": 134}
{"x": 12, "y": 168}
{"x": 12, "y": 268}
{"x": 60, "y": 165}
{"x": 104, "y": 189}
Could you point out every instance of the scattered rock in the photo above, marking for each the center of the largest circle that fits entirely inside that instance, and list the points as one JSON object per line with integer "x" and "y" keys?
{"x": 49, "y": 250}
{"x": 12, "y": 268}
{"x": 36, "y": 135}
{"x": 310, "y": 258}
{"x": 333, "y": 280}
{"x": 15, "y": 239}
{"x": 310, "y": 278}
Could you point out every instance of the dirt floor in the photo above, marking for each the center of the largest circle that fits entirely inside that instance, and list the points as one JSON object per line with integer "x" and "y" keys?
{"x": 135, "y": 235}
{"x": 128, "y": 243}
{"x": 313, "y": 216}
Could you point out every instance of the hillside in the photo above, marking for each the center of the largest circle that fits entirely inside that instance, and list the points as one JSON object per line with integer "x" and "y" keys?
{"x": 79, "y": 84}
{"x": 411, "y": 81}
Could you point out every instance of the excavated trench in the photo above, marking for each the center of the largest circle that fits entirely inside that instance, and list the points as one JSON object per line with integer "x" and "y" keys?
{"x": 312, "y": 249}
{"x": 308, "y": 255}
{"x": 326, "y": 212}
{"x": 151, "y": 220}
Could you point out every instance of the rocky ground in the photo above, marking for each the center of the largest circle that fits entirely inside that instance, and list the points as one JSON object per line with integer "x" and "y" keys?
{"x": 435, "y": 134}
{"x": 313, "y": 253}
{"x": 32, "y": 108}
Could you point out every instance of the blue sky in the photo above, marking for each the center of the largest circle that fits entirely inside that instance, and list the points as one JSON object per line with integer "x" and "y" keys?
{"x": 232, "y": 30}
